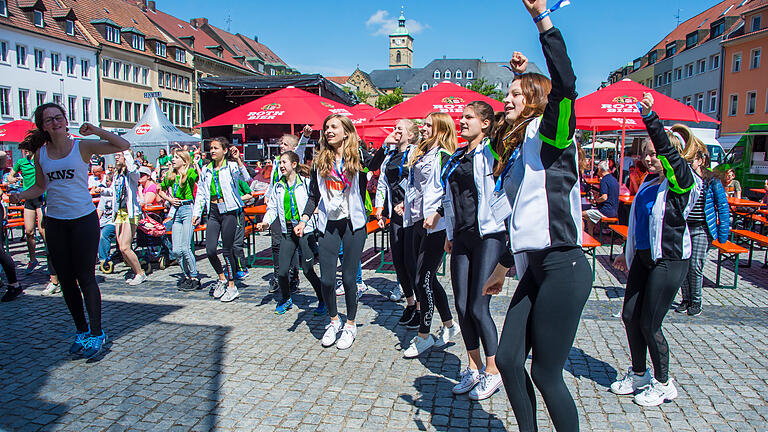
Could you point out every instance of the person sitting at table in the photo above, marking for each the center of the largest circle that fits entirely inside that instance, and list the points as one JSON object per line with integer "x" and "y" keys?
{"x": 636, "y": 176}
{"x": 148, "y": 188}
{"x": 96, "y": 179}
{"x": 606, "y": 203}
{"x": 733, "y": 188}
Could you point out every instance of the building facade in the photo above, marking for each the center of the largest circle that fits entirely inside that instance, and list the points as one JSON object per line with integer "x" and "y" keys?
{"x": 400, "y": 46}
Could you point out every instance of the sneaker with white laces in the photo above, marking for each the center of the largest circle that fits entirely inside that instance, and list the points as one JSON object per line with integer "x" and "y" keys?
{"x": 446, "y": 334}
{"x": 51, "y": 289}
{"x": 220, "y": 289}
{"x": 361, "y": 288}
{"x": 138, "y": 279}
{"x": 631, "y": 382}
{"x": 331, "y": 331}
{"x": 486, "y": 387}
{"x": 419, "y": 346}
{"x": 467, "y": 380}
{"x": 657, "y": 393}
{"x": 348, "y": 334}
{"x": 339, "y": 287}
{"x": 397, "y": 294}
{"x": 230, "y": 294}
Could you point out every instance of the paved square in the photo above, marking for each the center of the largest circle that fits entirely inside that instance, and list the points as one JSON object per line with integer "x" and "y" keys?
{"x": 183, "y": 361}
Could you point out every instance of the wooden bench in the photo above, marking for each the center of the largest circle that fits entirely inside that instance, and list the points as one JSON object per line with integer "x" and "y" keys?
{"x": 621, "y": 231}
{"x": 607, "y": 221}
{"x": 752, "y": 238}
{"x": 728, "y": 251}
{"x": 589, "y": 245}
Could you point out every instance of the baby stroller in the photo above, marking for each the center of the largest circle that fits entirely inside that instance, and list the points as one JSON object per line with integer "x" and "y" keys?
{"x": 149, "y": 238}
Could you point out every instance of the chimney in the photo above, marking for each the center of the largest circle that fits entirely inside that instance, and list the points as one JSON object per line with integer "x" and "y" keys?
{"x": 198, "y": 22}
{"x": 142, "y": 4}
{"x": 152, "y": 5}
{"x": 256, "y": 38}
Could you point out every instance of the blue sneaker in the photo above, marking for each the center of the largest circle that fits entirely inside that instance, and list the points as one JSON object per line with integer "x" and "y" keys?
{"x": 241, "y": 275}
{"x": 321, "y": 309}
{"x": 94, "y": 344}
{"x": 283, "y": 308}
{"x": 78, "y": 346}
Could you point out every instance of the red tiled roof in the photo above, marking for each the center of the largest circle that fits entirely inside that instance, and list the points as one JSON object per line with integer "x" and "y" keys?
{"x": 181, "y": 29}
{"x": 701, "y": 21}
{"x": 264, "y": 52}
{"x": 754, "y": 5}
{"x": 21, "y": 19}
{"x": 339, "y": 79}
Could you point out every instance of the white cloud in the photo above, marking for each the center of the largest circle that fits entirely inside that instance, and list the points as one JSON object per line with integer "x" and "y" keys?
{"x": 381, "y": 24}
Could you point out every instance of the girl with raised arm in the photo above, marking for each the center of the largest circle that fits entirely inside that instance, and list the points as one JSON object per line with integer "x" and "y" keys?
{"x": 61, "y": 171}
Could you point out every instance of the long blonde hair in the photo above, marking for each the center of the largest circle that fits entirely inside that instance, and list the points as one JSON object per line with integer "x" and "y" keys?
{"x": 443, "y": 133}
{"x": 172, "y": 173}
{"x": 692, "y": 146}
{"x": 326, "y": 158}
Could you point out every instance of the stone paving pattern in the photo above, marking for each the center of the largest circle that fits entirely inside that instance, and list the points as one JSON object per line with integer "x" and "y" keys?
{"x": 183, "y": 361}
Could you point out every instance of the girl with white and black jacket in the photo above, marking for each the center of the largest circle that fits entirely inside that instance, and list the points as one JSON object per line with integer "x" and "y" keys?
{"x": 218, "y": 194}
{"x": 390, "y": 191}
{"x": 476, "y": 240}
{"x": 288, "y": 197}
{"x": 337, "y": 191}
{"x": 127, "y": 207}
{"x": 423, "y": 197}
{"x": 540, "y": 179}
{"x": 657, "y": 255}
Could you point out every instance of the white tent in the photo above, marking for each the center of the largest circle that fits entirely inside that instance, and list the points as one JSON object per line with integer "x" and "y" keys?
{"x": 601, "y": 145}
{"x": 154, "y": 132}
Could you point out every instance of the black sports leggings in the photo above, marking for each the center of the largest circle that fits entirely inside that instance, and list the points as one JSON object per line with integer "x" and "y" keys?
{"x": 651, "y": 288}
{"x": 401, "y": 254}
{"x": 543, "y": 316}
{"x": 226, "y": 225}
{"x": 9, "y": 267}
{"x": 276, "y": 233}
{"x": 238, "y": 248}
{"x": 339, "y": 233}
{"x": 73, "y": 246}
{"x": 431, "y": 293}
{"x": 472, "y": 262}
{"x": 290, "y": 242}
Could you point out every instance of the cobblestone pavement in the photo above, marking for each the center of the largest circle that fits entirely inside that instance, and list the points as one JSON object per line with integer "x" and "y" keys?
{"x": 183, "y": 361}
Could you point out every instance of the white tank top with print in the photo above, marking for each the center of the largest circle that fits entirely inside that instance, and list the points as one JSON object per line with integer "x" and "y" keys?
{"x": 67, "y": 195}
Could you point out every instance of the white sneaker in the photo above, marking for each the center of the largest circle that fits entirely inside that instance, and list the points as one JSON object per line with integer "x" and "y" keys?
{"x": 419, "y": 346}
{"x": 657, "y": 393}
{"x": 397, "y": 294}
{"x": 486, "y": 387}
{"x": 631, "y": 382}
{"x": 348, "y": 334}
{"x": 361, "y": 288}
{"x": 137, "y": 280}
{"x": 331, "y": 330}
{"x": 221, "y": 288}
{"x": 229, "y": 295}
{"x": 467, "y": 380}
{"x": 446, "y": 334}
{"x": 339, "y": 287}
{"x": 51, "y": 289}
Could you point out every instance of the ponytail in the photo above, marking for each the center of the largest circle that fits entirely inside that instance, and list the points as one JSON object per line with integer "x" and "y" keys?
{"x": 36, "y": 138}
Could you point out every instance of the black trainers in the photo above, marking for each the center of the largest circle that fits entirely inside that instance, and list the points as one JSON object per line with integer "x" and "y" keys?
{"x": 415, "y": 321}
{"x": 295, "y": 285}
{"x": 273, "y": 286}
{"x": 407, "y": 314}
{"x": 682, "y": 307}
{"x": 694, "y": 310}
{"x": 195, "y": 284}
{"x": 182, "y": 284}
{"x": 11, "y": 293}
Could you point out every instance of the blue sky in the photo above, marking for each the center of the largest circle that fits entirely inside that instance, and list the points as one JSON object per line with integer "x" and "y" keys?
{"x": 332, "y": 38}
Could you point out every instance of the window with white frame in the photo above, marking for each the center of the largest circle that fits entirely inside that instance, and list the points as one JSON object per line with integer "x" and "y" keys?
{"x": 160, "y": 79}
{"x": 57, "y": 99}
{"x": 659, "y": 79}
{"x": 112, "y": 34}
{"x": 70, "y": 27}
{"x": 458, "y": 74}
{"x": 180, "y": 114}
{"x": 107, "y": 109}
{"x": 447, "y": 74}
{"x": 116, "y": 66}
{"x": 754, "y": 61}
{"x": 127, "y": 111}
{"x": 751, "y": 102}
{"x": 733, "y": 105}
{"x": 678, "y": 74}
{"x": 181, "y": 55}
{"x": 701, "y": 66}
{"x": 37, "y": 15}
{"x": 689, "y": 70}
{"x": 118, "y": 110}
{"x": 700, "y": 102}
{"x": 160, "y": 49}
{"x": 168, "y": 79}
{"x": 70, "y": 66}
{"x": 86, "y": 109}
{"x": 3, "y": 50}
{"x": 736, "y": 65}
{"x": 136, "y": 112}
{"x": 21, "y": 55}
{"x": 5, "y": 102}
{"x": 106, "y": 66}
{"x": 186, "y": 85}
{"x": 39, "y": 98}
{"x": 688, "y": 100}
{"x": 436, "y": 74}
{"x": 39, "y": 59}
{"x": 126, "y": 71}
{"x": 756, "y": 23}
{"x": 55, "y": 62}
{"x": 714, "y": 61}
{"x": 4, "y": 8}
{"x": 137, "y": 42}
{"x": 470, "y": 74}
{"x": 136, "y": 72}
{"x": 84, "y": 66}
{"x": 144, "y": 76}
{"x": 72, "y": 109}
{"x": 667, "y": 77}
{"x": 23, "y": 103}
{"x": 173, "y": 81}
{"x": 712, "y": 100}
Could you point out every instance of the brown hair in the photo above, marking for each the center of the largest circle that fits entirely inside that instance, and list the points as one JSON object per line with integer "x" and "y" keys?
{"x": 37, "y": 137}
{"x": 301, "y": 169}
{"x": 172, "y": 173}
{"x": 484, "y": 111}
{"x": 536, "y": 88}
{"x": 443, "y": 133}
{"x": 325, "y": 159}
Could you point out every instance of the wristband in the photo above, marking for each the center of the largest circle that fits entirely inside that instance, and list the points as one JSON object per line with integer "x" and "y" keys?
{"x": 542, "y": 16}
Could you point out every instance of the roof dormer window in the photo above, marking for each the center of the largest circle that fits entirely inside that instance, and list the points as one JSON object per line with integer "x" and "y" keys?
{"x": 137, "y": 42}
{"x": 458, "y": 74}
{"x": 70, "y": 27}
{"x": 447, "y": 74}
{"x": 470, "y": 74}
{"x": 4, "y": 8}
{"x": 181, "y": 55}
{"x": 112, "y": 34}
{"x": 160, "y": 49}
{"x": 436, "y": 75}
{"x": 38, "y": 18}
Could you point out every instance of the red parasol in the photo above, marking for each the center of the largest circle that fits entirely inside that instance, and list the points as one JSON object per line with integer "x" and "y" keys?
{"x": 15, "y": 131}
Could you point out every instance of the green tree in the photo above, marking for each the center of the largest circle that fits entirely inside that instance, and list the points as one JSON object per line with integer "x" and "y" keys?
{"x": 485, "y": 88}
{"x": 362, "y": 96}
{"x": 389, "y": 100}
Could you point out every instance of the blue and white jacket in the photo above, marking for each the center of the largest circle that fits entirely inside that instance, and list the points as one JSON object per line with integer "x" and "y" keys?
{"x": 717, "y": 210}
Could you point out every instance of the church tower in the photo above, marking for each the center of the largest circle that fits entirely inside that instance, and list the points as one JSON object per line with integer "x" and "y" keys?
{"x": 400, "y": 46}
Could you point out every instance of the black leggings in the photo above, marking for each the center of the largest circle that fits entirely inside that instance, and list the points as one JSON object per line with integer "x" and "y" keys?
{"x": 401, "y": 255}
{"x": 472, "y": 262}
{"x": 290, "y": 242}
{"x": 238, "y": 248}
{"x": 73, "y": 246}
{"x": 226, "y": 225}
{"x": 651, "y": 288}
{"x": 431, "y": 293}
{"x": 543, "y": 316}
{"x": 276, "y": 233}
{"x": 339, "y": 233}
{"x": 9, "y": 267}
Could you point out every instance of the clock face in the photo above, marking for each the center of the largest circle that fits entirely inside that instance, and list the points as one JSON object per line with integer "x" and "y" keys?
{"x": 397, "y": 41}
